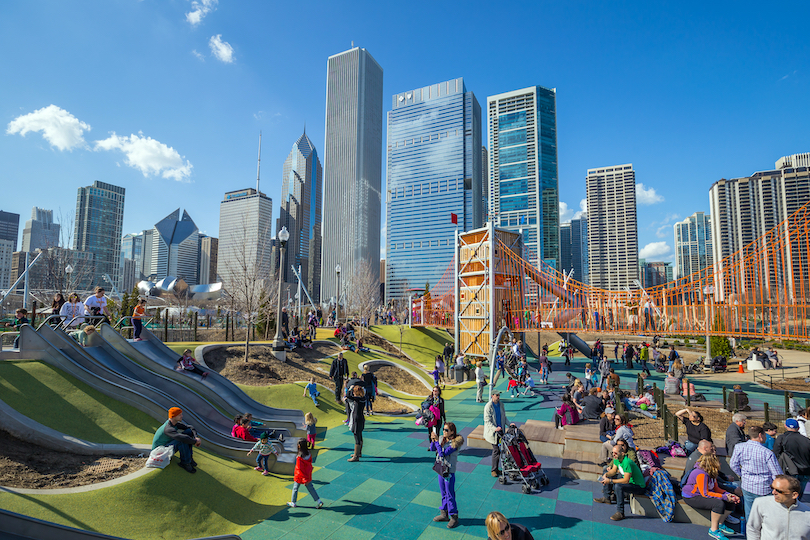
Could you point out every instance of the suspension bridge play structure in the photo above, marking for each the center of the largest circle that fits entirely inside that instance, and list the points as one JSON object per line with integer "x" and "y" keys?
{"x": 761, "y": 291}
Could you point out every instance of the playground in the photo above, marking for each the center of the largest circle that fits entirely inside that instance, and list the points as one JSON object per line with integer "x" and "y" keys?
{"x": 390, "y": 493}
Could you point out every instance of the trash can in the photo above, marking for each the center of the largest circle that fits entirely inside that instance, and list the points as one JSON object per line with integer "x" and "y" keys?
{"x": 459, "y": 375}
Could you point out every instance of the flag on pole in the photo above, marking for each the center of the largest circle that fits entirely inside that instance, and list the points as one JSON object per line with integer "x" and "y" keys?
{"x": 453, "y": 218}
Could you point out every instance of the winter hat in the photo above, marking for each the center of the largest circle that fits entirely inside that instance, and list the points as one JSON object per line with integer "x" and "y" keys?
{"x": 174, "y": 411}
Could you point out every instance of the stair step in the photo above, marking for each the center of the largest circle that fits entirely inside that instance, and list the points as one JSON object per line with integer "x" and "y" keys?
{"x": 643, "y": 506}
{"x": 544, "y": 439}
{"x": 581, "y": 465}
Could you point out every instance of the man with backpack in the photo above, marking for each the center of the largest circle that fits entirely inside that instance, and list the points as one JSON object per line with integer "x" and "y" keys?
{"x": 795, "y": 448}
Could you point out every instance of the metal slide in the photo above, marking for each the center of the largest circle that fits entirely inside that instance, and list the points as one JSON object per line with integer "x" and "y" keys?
{"x": 59, "y": 350}
{"x": 155, "y": 355}
{"x": 580, "y": 344}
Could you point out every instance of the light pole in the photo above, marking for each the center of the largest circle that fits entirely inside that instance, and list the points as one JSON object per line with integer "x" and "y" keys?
{"x": 278, "y": 342}
{"x": 337, "y": 304}
{"x": 708, "y": 291}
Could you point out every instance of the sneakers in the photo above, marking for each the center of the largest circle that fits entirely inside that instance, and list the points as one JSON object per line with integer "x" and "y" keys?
{"x": 188, "y": 467}
{"x": 716, "y": 534}
{"x": 496, "y": 473}
{"x": 204, "y": 375}
{"x": 266, "y": 473}
{"x": 320, "y": 502}
{"x": 291, "y": 504}
{"x": 258, "y": 469}
{"x": 725, "y": 530}
{"x": 601, "y": 500}
{"x": 618, "y": 516}
{"x": 731, "y": 520}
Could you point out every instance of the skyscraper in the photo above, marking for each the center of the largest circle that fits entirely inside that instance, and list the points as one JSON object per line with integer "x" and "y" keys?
{"x": 574, "y": 248}
{"x": 9, "y": 227}
{"x": 99, "y": 219}
{"x": 6, "y": 253}
{"x": 612, "y": 227}
{"x": 209, "y": 249}
{"x": 300, "y": 211}
{"x": 245, "y": 234}
{"x": 434, "y": 170}
{"x": 176, "y": 248}
{"x": 523, "y": 181}
{"x": 693, "y": 244}
{"x": 40, "y": 231}
{"x": 352, "y": 166}
{"x": 652, "y": 274}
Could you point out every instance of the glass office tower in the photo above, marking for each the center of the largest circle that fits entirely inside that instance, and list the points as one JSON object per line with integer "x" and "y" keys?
{"x": 99, "y": 220}
{"x": 523, "y": 180}
{"x": 434, "y": 170}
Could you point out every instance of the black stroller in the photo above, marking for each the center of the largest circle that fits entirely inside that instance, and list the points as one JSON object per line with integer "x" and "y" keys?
{"x": 719, "y": 363}
{"x": 518, "y": 462}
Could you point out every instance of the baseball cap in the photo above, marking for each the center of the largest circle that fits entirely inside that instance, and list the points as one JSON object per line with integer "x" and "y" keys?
{"x": 496, "y": 392}
{"x": 610, "y": 410}
{"x": 792, "y": 423}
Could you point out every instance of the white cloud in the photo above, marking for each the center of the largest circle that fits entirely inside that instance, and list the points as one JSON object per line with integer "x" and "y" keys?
{"x": 61, "y": 129}
{"x": 198, "y": 55}
{"x": 665, "y": 229}
{"x": 647, "y": 196}
{"x": 221, "y": 50}
{"x": 149, "y": 156}
{"x": 567, "y": 214}
{"x": 654, "y": 250}
{"x": 199, "y": 9}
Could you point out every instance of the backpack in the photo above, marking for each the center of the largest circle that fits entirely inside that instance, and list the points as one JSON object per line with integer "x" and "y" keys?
{"x": 648, "y": 457}
{"x": 676, "y": 450}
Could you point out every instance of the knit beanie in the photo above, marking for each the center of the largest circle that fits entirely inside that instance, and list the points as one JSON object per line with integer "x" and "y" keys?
{"x": 174, "y": 411}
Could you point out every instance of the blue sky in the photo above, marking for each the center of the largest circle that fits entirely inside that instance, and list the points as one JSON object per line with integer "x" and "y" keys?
{"x": 167, "y": 97}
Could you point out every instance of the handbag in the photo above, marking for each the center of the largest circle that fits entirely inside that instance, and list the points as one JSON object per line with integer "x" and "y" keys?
{"x": 441, "y": 466}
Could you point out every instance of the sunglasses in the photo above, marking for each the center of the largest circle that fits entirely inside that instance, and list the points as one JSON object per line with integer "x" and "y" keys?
{"x": 504, "y": 530}
{"x": 446, "y": 430}
{"x": 780, "y": 491}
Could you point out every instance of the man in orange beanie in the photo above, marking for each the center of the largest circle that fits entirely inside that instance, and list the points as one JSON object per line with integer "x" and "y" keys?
{"x": 179, "y": 435}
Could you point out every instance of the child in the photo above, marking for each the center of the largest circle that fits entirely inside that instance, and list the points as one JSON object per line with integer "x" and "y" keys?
{"x": 264, "y": 448}
{"x": 588, "y": 376}
{"x": 242, "y": 431}
{"x": 256, "y": 428}
{"x": 310, "y": 421}
{"x": 237, "y": 422}
{"x": 436, "y": 373}
{"x": 137, "y": 315}
{"x": 312, "y": 390}
{"x": 187, "y": 363}
{"x": 21, "y": 318}
{"x": 303, "y": 475}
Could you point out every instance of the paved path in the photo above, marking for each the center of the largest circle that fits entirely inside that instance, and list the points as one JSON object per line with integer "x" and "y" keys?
{"x": 393, "y": 493}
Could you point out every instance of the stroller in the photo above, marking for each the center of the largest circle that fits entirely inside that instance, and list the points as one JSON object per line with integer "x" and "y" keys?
{"x": 518, "y": 462}
{"x": 719, "y": 363}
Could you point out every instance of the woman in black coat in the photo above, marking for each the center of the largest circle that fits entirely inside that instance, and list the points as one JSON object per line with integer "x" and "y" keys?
{"x": 355, "y": 402}
{"x": 436, "y": 399}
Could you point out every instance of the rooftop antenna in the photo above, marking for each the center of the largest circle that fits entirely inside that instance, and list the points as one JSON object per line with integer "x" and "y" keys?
{"x": 352, "y": 44}
{"x": 259, "y": 165}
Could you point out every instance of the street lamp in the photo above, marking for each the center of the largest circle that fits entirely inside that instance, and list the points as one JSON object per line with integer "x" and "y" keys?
{"x": 708, "y": 291}
{"x": 278, "y": 342}
{"x": 337, "y": 304}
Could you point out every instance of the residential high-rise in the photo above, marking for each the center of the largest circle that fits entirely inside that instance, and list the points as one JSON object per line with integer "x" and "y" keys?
{"x": 743, "y": 209}
{"x": 300, "y": 211}
{"x": 352, "y": 167}
{"x": 612, "y": 227}
{"x": 145, "y": 260}
{"x": 6, "y": 253}
{"x": 245, "y": 235}
{"x": 693, "y": 244}
{"x": 9, "y": 227}
{"x": 40, "y": 231}
{"x": 652, "y": 274}
{"x": 132, "y": 249}
{"x": 176, "y": 248}
{"x": 523, "y": 179}
{"x": 574, "y": 248}
{"x": 209, "y": 248}
{"x": 99, "y": 219}
{"x": 485, "y": 183}
{"x": 434, "y": 170}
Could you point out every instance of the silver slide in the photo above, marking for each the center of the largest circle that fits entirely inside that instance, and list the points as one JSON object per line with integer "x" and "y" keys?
{"x": 61, "y": 351}
{"x": 154, "y": 354}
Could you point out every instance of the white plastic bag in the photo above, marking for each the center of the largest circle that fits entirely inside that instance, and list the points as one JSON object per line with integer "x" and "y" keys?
{"x": 160, "y": 457}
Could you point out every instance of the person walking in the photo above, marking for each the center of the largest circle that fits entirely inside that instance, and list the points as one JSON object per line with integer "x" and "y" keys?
{"x": 263, "y": 449}
{"x": 494, "y": 421}
{"x": 355, "y": 402}
{"x": 481, "y": 381}
{"x": 137, "y": 318}
{"x": 797, "y": 447}
{"x": 339, "y": 372}
{"x": 782, "y": 516}
{"x": 446, "y": 447}
{"x": 756, "y": 466}
{"x": 303, "y": 475}
{"x": 643, "y": 356}
{"x": 435, "y": 399}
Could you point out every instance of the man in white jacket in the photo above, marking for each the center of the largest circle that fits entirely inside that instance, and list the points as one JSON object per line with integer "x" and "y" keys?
{"x": 494, "y": 422}
{"x": 781, "y": 516}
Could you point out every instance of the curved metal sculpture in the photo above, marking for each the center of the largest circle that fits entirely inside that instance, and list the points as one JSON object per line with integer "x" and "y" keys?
{"x": 172, "y": 286}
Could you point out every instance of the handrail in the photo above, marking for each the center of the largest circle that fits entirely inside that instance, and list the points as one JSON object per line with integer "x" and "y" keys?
{"x": 130, "y": 317}
{"x": 66, "y": 324}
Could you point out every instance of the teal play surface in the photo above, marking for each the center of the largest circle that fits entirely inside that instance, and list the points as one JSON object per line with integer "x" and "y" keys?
{"x": 393, "y": 492}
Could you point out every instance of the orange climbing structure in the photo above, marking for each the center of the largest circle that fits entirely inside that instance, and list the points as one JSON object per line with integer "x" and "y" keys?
{"x": 761, "y": 291}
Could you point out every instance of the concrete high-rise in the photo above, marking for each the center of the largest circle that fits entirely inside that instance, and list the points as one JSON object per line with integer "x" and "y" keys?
{"x": 743, "y": 209}
{"x": 6, "y": 253}
{"x": 209, "y": 250}
{"x": 652, "y": 274}
{"x": 352, "y": 167}
{"x": 99, "y": 219}
{"x": 434, "y": 170}
{"x": 300, "y": 211}
{"x": 523, "y": 178}
{"x": 9, "y": 227}
{"x": 574, "y": 248}
{"x": 176, "y": 248}
{"x": 693, "y": 244}
{"x": 40, "y": 231}
{"x": 612, "y": 227}
{"x": 245, "y": 235}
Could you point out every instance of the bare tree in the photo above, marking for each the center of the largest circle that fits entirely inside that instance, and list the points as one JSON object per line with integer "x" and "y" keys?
{"x": 248, "y": 282}
{"x": 363, "y": 291}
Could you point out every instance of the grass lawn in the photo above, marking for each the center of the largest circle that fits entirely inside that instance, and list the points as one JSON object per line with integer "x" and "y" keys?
{"x": 58, "y": 400}
{"x": 421, "y": 344}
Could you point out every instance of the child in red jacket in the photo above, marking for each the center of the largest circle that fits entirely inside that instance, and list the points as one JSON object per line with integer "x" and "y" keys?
{"x": 303, "y": 474}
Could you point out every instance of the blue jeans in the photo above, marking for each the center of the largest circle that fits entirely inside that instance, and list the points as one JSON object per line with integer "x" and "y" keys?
{"x": 621, "y": 490}
{"x": 261, "y": 461}
{"x": 748, "y": 501}
{"x": 313, "y": 396}
{"x": 447, "y": 487}
{"x": 185, "y": 450}
{"x": 690, "y": 447}
{"x": 310, "y": 488}
{"x": 138, "y": 325}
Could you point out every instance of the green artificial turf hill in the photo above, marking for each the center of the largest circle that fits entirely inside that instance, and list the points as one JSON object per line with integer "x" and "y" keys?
{"x": 420, "y": 343}
{"x": 58, "y": 400}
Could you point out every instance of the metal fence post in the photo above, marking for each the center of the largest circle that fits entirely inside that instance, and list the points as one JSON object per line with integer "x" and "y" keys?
{"x": 734, "y": 401}
{"x": 725, "y": 398}
{"x": 664, "y": 416}
{"x": 674, "y": 427}
{"x": 688, "y": 393}
{"x": 806, "y": 404}
{"x": 787, "y": 404}
{"x": 767, "y": 412}
{"x": 227, "y": 326}
{"x": 195, "y": 326}
{"x": 165, "y": 326}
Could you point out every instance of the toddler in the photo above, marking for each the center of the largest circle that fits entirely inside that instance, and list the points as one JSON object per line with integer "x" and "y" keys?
{"x": 312, "y": 390}
{"x": 311, "y": 422}
{"x": 303, "y": 475}
{"x": 264, "y": 448}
